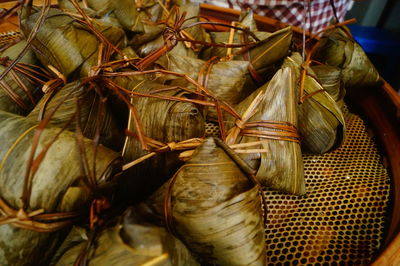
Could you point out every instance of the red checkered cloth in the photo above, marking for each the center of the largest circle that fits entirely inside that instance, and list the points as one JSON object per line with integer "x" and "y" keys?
{"x": 292, "y": 12}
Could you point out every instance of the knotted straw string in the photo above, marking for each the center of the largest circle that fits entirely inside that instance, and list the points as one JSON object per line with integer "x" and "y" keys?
{"x": 34, "y": 220}
{"x": 276, "y": 130}
{"x": 162, "y": 147}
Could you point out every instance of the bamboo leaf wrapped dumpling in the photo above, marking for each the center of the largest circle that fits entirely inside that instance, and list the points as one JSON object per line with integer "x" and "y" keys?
{"x": 165, "y": 121}
{"x": 338, "y": 48}
{"x": 93, "y": 113}
{"x": 247, "y": 22}
{"x": 57, "y": 186}
{"x": 272, "y": 132}
{"x": 214, "y": 208}
{"x": 321, "y": 122}
{"x": 129, "y": 242}
{"x": 68, "y": 45}
{"x": 271, "y": 49}
{"x": 17, "y": 94}
{"x": 224, "y": 79}
{"x": 155, "y": 37}
{"x": 129, "y": 14}
{"x": 330, "y": 78}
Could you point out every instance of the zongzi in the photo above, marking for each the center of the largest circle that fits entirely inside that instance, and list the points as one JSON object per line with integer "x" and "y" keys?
{"x": 131, "y": 15}
{"x": 18, "y": 94}
{"x": 129, "y": 242}
{"x": 262, "y": 57}
{"x": 224, "y": 79}
{"x": 165, "y": 121}
{"x": 214, "y": 208}
{"x": 68, "y": 45}
{"x": 338, "y": 48}
{"x": 269, "y": 130}
{"x": 53, "y": 183}
{"x": 330, "y": 78}
{"x": 321, "y": 122}
{"x": 94, "y": 114}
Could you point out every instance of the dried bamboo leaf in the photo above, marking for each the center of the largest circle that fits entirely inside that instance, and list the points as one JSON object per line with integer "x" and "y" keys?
{"x": 127, "y": 243}
{"x": 336, "y": 48}
{"x": 150, "y": 33}
{"x": 330, "y": 78}
{"x": 131, "y": 15}
{"x": 264, "y": 58}
{"x": 57, "y": 174}
{"x": 226, "y": 80}
{"x": 247, "y": 21}
{"x": 272, "y": 48}
{"x": 93, "y": 113}
{"x": 279, "y": 165}
{"x": 187, "y": 49}
{"x": 68, "y": 45}
{"x": 321, "y": 122}
{"x": 11, "y": 82}
{"x": 165, "y": 121}
{"x": 215, "y": 209}
{"x": 68, "y": 7}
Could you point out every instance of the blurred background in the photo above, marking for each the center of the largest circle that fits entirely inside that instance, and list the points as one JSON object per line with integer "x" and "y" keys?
{"x": 378, "y": 32}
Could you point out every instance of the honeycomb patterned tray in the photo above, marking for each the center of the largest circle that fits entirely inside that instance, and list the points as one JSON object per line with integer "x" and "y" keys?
{"x": 7, "y": 37}
{"x": 341, "y": 220}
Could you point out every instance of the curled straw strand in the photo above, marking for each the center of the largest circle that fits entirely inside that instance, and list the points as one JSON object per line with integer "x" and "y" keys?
{"x": 164, "y": 147}
{"x": 35, "y": 220}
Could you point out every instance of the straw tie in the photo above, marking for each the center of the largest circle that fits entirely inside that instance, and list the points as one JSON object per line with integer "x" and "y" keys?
{"x": 35, "y": 220}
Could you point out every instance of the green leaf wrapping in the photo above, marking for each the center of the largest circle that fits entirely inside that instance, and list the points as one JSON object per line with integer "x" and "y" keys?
{"x": 56, "y": 187}
{"x": 216, "y": 210}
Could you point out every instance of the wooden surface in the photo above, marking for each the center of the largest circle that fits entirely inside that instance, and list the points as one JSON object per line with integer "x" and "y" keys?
{"x": 10, "y": 25}
{"x": 391, "y": 255}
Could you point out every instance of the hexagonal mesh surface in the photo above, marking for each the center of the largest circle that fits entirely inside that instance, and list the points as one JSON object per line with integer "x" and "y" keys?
{"x": 6, "y": 37}
{"x": 342, "y": 218}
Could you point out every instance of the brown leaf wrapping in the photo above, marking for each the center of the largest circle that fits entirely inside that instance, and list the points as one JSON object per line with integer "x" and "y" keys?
{"x": 215, "y": 209}
{"x": 330, "y": 78}
{"x": 321, "y": 122}
{"x": 226, "y": 80}
{"x": 280, "y": 165}
{"x": 127, "y": 243}
{"x": 67, "y": 45}
{"x": 58, "y": 173}
{"x": 92, "y": 113}
{"x": 165, "y": 121}
{"x": 10, "y": 81}
{"x": 336, "y": 48}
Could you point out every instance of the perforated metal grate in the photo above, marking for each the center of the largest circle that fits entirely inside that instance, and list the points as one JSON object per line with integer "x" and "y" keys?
{"x": 342, "y": 218}
{"x": 6, "y": 37}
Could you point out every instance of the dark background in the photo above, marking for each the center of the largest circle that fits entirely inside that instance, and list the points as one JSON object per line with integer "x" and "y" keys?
{"x": 378, "y": 31}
